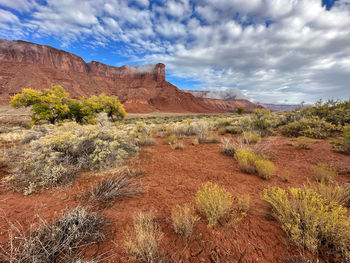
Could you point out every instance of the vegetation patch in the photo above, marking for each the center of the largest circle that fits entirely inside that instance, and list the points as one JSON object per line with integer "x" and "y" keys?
{"x": 344, "y": 145}
{"x": 250, "y": 137}
{"x": 213, "y": 202}
{"x": 324, "y": 173}
{"x": 55, "y": 159}
{"x": 183, "y": 220}
{"x": 54, "y": 105}
{"x": 171, "y": 139}
{"x": 312, "y": 127}
{"x": 303, "y": 142}
{"x": 114, "y": 188}
{"x": 228, "y": 147}
{"x": 65, "y": 240}
{"x": 252, "y": 163}
{"x": 142, "y": 243}
{"x": 311, "y": 221}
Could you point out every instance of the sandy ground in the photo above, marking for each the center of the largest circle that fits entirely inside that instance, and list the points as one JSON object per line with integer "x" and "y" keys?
{"x": 172, "y": 177}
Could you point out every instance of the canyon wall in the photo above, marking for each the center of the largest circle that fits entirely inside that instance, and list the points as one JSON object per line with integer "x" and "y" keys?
{"x": 140, "y": 88}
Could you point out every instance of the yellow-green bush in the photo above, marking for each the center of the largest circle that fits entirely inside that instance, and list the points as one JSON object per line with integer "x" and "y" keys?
{"x": 344, "y": 145}
{"x": 324, "y": 173}
{"x": 183, "y": 219}
{"x": 252, "y": 163}
{"x": 264, "y": 168}
{"x": 332, "y": 193}
{"x": 213, "y": 202}
{"x": 312, "y": 127}
{"x": 310, "y": 220}
{"x": 260, "y": 120}
{"x": 243, "y": 203}
{"x": 56, "y": 158}
{"x": 171, "y": 139}
{"x": 303, "y": 142}
{"x": 250, "y": 137}
{"x": 246, "y": 160}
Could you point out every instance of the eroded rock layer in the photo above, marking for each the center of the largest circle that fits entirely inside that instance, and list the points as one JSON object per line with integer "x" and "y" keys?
{"x": 141, "y": 88}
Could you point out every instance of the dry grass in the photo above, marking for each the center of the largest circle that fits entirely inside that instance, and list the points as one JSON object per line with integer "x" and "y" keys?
{"x": 178, "y": 146}
{"x": 66, "y": 240}
{"x": 183, "y": 219}
{"x": 243, "y": 203}
{"x": 228, "y": 147}
{"x": 332, "y": 193}
{"x": 142, "y": 243}
{"x": 117, "y": 187}
{"x": 208, "y": 139}
{"x": 303, "y": 142}
{"x": 324, "y": 173}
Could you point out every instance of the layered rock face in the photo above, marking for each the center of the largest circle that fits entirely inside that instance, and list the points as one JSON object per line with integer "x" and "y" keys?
{"x": 140, "y": 88}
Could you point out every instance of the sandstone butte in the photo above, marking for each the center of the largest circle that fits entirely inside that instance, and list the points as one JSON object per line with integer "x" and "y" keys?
{"x": 142, "y": 89}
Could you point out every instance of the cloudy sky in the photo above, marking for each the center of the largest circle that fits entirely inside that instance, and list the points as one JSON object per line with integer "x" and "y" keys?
{"x": 275, "y": 51}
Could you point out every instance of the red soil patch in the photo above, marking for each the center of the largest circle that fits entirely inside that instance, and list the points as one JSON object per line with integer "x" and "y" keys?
{"x": 173, "y": 177}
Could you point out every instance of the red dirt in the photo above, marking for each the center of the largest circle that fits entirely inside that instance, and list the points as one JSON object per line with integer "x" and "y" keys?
{"x": 173, "y": 177}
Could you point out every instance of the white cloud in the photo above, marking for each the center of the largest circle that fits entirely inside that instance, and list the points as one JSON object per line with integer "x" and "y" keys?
{"x": 8, "y": 17}
{"x": 19, "y": 5}
{"x": 303, "y": 54}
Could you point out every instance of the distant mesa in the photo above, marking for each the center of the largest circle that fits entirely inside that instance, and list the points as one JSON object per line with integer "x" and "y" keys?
{"x": 142, "y": 89}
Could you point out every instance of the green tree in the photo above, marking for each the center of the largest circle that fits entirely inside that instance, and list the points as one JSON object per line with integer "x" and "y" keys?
{"x": 240, "y": 110}
{"x": 51, "y": 105}
{"x": 54, "y": 105}
{"x": 108, "y": 104}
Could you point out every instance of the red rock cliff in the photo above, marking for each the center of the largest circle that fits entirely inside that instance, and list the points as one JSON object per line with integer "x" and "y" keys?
{"x": 140, "y": 88}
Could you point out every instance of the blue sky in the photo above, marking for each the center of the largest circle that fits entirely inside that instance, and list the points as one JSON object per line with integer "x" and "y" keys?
{"x": 274, "y": 51}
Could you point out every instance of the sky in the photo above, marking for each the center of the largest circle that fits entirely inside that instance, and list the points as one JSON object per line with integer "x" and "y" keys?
{"x": 273, "y": 51}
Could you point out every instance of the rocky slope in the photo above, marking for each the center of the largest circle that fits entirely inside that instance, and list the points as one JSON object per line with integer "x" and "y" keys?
{"x": 140, "y": 88}
{"x": 225, "y": 101}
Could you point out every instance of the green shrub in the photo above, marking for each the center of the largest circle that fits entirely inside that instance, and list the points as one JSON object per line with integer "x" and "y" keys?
{"x": 264, "y": 168}
{"x": 55, "y": 105}
{"x": 324, "y": 173}
{"x": 240, "y": 110}
{"x": 183, "y": 220}
{"x": 312, "y": 127}
{"x": 311, "y": 221}
{"x": 336, "y": 112}
{"x": 260, "y": 120}
{"x": 344, "y": 145}
{"x": 213, "y": 202}
{"x": 55, "y": 158}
